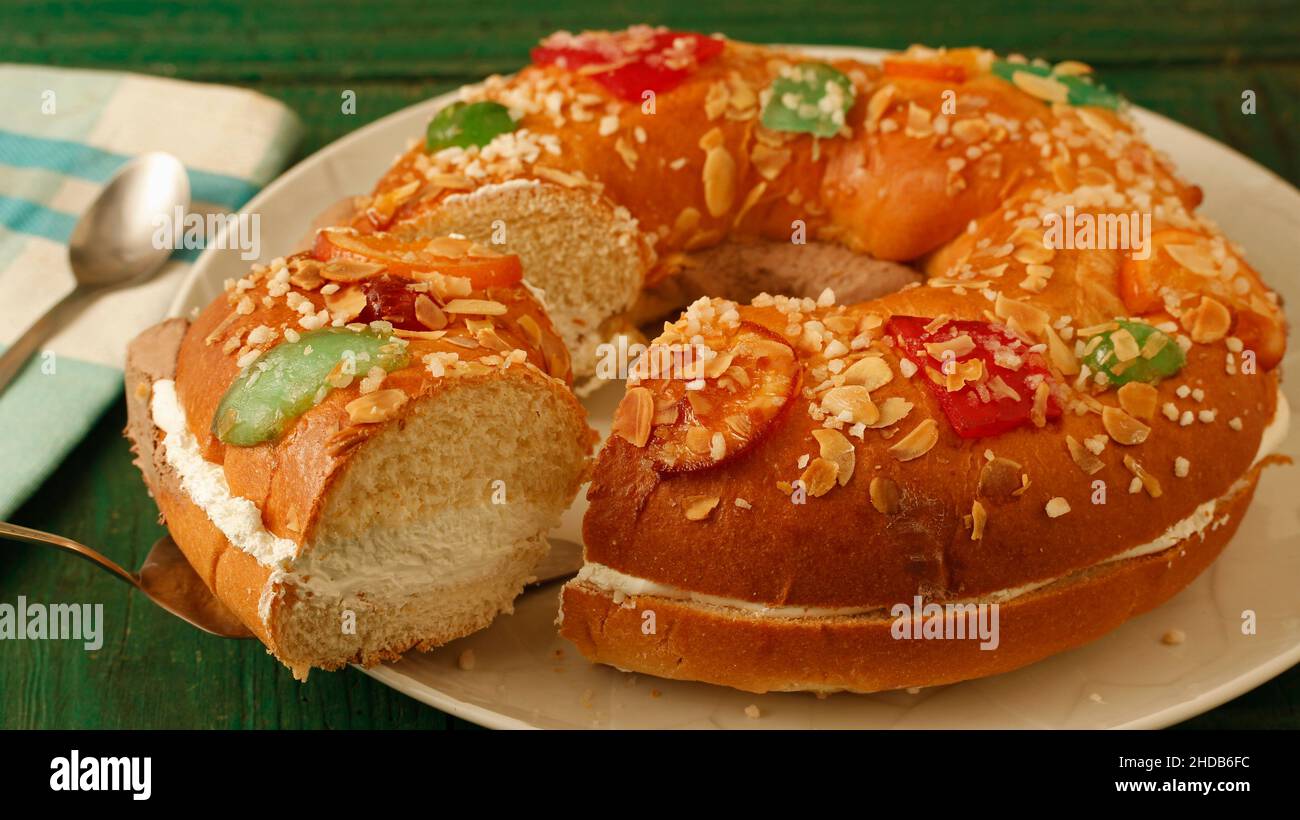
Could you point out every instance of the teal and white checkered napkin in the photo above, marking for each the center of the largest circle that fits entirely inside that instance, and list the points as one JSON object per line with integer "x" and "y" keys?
{"x": 63, "y": 133}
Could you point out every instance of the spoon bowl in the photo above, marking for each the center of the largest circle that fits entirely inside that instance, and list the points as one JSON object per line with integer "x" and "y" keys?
{"x": 124, "y": 237}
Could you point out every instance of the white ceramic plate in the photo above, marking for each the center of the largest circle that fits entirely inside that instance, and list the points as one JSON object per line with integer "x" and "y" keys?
{"x": 524, "y": 675}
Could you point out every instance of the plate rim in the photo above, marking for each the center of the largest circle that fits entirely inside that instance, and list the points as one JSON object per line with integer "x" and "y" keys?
{"x": 1199, "y": 704}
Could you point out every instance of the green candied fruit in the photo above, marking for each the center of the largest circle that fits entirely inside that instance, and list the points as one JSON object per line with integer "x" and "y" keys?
{"x": 463, "y": 124}
{"x": 1082, "y": 90}
{"x": 290, "y": 378}
{"x": 1167, "y": 361}
{"x": 809, "y": 98}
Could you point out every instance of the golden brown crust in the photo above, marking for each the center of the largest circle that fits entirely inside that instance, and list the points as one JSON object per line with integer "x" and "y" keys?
{"x": 779, "y": 553}
{"x": 693, "y": 642}
{"x": 235, "y": 577}
{"x": 288, "y": 477}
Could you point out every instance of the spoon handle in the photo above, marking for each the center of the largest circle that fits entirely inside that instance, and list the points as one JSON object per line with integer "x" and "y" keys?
{"x": 31, "y": 536}
{"x": 13, "y": 359}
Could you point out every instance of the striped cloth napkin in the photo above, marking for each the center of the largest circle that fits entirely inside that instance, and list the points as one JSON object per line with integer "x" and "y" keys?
{"x": 63, "y": 135}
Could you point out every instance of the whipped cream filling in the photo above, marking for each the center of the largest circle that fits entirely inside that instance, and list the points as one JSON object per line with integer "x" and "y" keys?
{"x": 623, "y": 586}
{"x": 205, "y": 483}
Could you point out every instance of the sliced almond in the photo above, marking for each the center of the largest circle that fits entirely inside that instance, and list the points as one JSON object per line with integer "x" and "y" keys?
{"x": 1028, "y": 317}
{"x": 885, "y": 495}
{"x": 769, "y": 161}
{"x": 719, "y": 180}
{"x": 855, "y": 399}
{"x": 819, "y": 477}
{"x": 1122, "y": 427}
{"x": 918, "y": 442}
{"x": 1126, "y": 347}
{"x": 1207, "y": 322}
{"x": 958, "y": 346}
{"x": 1138, "y": 400}
{"x": 431, "y": 316}
{"x": 375, "y": 407}
{"x": 1083, "y": 457}
{"x": 879, "y": 104}
{"x": 838, "y": 449}
{"x": 1044, "y": 88}
{"x": 1149, "y": 482}
{"x": 1038, "y": 411}
{"x": 348, "y": 270}
{"x": 478, "y": 307}
{"x": 698, "y": 507}
{"x": 1194, "y": 258}
{"x": 345, "y": 304}
{"x": 871, "y": 372}
{"x": 892, "y": 411}
{"x": 306, "y": 274}
{"x": 979, "y": 518}
{"x": 632, "y": 419}
{"x": 1061, "y": 355}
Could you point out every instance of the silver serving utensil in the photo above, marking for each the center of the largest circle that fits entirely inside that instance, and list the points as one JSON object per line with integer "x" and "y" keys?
{"x": 112, "y": 245}
{"x": 165, "y": 578}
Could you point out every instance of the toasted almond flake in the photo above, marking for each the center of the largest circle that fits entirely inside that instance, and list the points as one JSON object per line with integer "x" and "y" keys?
{"x": 958, "y": 346}
{"x": 892, "y": 411}
{"x": 1044, "y": 88}
{"x": 979, "y": 518}
{"x": 1138, "y": 400}
{"x": 769, "y": 161}
{"x": 885, "y": 495}
{"x": 1001, "y": 390}
{"x": 1061, "y": 354}
{"x": 1096, "y": 122}
{"x": 698, "y": 507}
{"x": 918, "y": 442}
{"x": 1038, "y": 411}
{"x": 819, "y": 477}
{"x": 1071, "y": 68}
{"x": 479, "y": 307}
{"x": 348, "y": 270}
{"x": 838, "y": 449}
{"x": 372, "y": 408}
{"x": 1123, "y": 428}
{"x": 1126, "y": 347}
{"x": 1153, "y": 345}
{"x": 306, "y": 274}
{"x": 853, "y": 399}
{"x": 698, "y": 439}
{"x": 633, "y": 418}
{"x": 871, "y": 372}
{"x": 428, "y": 314}
{"x": 1149, "y": 482}
{"x": 1057, "y": 507}
{"x": 345, "y": 304}
{"x": 1083, "y": 458}
{"x": 1063, "y": 175}
{"x": 557, "y": 176}
{"x": 719, "y": 176}
{"x": 1028, "y": 317}
{"x": 1194, "y": 258}
{"x": 879, "y": 104}
{"x": 1208, "y": 322}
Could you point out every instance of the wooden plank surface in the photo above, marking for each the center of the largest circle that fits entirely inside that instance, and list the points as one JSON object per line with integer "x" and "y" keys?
{"x": 1189, "y": 60}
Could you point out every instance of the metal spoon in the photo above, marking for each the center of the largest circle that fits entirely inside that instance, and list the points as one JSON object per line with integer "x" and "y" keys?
{"x": 165, "y": 577}
{"x": 112, "y": 244}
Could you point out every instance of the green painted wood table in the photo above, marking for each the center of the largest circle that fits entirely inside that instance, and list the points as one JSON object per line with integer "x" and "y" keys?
{"x": 1190, "y": 60}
